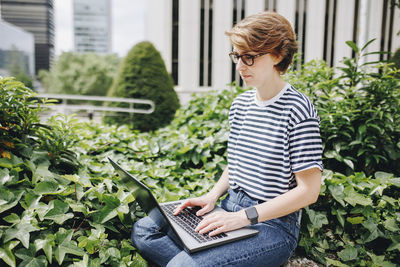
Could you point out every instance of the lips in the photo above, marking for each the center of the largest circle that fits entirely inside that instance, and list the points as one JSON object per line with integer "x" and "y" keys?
{"x": 245, "y": 76}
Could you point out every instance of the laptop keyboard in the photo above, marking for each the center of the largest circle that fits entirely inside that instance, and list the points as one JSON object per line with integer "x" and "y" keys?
{"x": 188, "y": 220}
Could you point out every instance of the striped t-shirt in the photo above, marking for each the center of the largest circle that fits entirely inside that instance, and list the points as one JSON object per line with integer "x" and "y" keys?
{"x": 270, "y": 141}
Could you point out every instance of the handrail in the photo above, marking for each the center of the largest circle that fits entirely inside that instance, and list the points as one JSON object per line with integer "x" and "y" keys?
{"x": 131, "y": 101}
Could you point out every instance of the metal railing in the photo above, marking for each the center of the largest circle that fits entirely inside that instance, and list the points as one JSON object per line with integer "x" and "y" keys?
{"x": 91, "y": 108}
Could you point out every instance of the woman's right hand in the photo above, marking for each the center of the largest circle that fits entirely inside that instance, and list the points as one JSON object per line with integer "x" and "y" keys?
{"x": 206, "y": 202}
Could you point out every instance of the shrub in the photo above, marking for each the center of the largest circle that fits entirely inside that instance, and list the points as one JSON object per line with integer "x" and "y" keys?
{"x": 17, "y": 119}
{"x": 359, "y": 107}
{"x": 143, "y": 75}
{"x": 85, "y": 218}
{"x": 355, "y": 221}
{"x": 48, "y": 215}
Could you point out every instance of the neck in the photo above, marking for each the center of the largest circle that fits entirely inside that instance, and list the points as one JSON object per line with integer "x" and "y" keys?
{"x": 270, "y": 90}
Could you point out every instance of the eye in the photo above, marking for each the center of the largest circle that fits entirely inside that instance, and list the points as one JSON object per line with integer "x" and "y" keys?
{"x": 247, "y": 57}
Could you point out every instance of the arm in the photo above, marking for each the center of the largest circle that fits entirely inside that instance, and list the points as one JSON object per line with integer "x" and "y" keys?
{"x": 207, "y": 202}
{"x": 306, "y": 193}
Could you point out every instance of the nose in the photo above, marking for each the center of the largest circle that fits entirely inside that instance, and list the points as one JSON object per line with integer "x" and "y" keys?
{"x": 240, "y": 65}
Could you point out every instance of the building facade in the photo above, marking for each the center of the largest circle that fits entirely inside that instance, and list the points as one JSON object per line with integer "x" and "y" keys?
{"x": 92, "y": 26}
{"x": 190, "y": 34}
{"x": 36, "y": 17}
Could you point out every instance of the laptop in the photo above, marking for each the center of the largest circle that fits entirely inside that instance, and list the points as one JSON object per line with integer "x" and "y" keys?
{"x": 182, "y": 224}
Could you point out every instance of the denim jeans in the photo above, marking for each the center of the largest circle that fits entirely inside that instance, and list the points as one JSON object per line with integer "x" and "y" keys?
{"x": 272, "y": 246}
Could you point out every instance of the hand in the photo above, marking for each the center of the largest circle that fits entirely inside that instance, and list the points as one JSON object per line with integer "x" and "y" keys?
{"x": 206, "y": 202}
{"x": 222, "y": 221}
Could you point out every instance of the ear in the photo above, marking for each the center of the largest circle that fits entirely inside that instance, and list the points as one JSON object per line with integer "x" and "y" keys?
{"x": 276, "y": 59}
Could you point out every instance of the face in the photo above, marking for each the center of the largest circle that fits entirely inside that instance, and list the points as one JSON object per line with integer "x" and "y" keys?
{"x": 260, "y": 73}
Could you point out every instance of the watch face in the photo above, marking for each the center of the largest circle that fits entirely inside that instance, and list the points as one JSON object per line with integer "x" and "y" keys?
{"x": 252, "y": 215}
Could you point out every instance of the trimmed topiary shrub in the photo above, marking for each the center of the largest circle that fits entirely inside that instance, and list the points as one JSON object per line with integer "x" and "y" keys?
{"x": 143, "y": 75}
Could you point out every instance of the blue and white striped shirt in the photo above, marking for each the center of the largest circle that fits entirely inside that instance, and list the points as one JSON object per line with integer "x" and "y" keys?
{"x": 270, "y": 141}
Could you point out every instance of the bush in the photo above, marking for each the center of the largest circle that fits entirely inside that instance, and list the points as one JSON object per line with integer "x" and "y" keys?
{"x": 85, "y": 217}
{"x": 355, "y": 221}
{"x": 359, "y": 108}
{"x": 143, "y": 75}
{"x": 80, "y": 74}
{"x": 52, "y": 214}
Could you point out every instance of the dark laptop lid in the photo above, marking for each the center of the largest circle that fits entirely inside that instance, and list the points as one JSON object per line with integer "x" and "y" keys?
{"x": 145, "y": 198}
{"x": 141, "y": 192}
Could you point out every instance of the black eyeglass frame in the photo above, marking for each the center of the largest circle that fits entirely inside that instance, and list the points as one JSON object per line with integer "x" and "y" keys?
{"x": 235, "y": 58}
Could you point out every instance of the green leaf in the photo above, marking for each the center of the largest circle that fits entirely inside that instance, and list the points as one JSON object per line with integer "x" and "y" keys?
{"x": 6, "y": 253}
{"x": 395, "y": 243}
{"x": 353, "y": 46}
{"x": 21, "y": 232}
{"x": 349, "y": 163}
{"x": 66, "y": 245}
{"x": 47, "y": 246}
{"x": 379, "y": 260}
{"x": 348, "y": 254}
{"x": 12, "y": 218}
{"x": 317, "y": 219}
{"x": 4, "y": 176}
{"x": 34, "y": 262}
{"x": 355, "y": 220}
{"x": 367, "y": 44}
{"x": 392, "y": 225}
{"x": 8, "y": 204}
{"x": 83, "y": 263}
{"x": 332, "y": 262}
{"x": 42, "y": 173}
{"x": 110, "y": 210}
{"x": 58, "y": 212}
{"x": 337, "y": 192}
{"x": 354, "y": 198}
{"x": 45, "y": 187}
{"x": 31, "y": 200}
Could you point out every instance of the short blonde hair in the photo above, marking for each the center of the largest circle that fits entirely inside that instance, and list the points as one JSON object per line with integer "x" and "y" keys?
{"x": 266, "y": 32}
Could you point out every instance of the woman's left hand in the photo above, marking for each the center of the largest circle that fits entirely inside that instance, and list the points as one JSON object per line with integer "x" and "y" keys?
{"x": 222, "y": 221}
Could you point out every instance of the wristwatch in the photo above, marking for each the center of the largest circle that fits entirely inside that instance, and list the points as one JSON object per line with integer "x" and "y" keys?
{"x": 252, "y": 215}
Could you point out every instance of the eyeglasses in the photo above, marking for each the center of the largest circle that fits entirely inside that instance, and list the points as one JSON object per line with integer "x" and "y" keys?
{"x": 246, "y": 58}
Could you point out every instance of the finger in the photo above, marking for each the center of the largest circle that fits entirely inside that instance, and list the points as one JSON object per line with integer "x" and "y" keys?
{"x": 179, "y": 208}
{"x": 204, "y": 210}
{"x": 217, "y": 231}
{"x": 206, "y": 222}
{"x": 209, "y": 228}
{"x": 187, "y": 203}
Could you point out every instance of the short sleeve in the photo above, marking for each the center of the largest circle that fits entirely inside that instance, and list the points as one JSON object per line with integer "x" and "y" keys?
{"x": 305, "y": 145}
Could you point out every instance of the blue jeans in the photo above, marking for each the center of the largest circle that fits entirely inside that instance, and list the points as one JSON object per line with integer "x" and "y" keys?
{"x": 272, "y": 246}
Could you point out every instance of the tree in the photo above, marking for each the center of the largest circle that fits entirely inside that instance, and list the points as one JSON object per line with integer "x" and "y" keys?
{"x": 83, "y": 74}
{"x": 143, "y": 75}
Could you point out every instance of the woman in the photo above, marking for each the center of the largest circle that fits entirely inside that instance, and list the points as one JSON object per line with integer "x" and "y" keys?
{"x": 274, "y": 159}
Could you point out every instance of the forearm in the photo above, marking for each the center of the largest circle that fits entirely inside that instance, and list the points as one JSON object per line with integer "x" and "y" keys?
{"x": 221, "y": 186}
{"x": 282, "y": 205}
{"x": 306, "y": 193}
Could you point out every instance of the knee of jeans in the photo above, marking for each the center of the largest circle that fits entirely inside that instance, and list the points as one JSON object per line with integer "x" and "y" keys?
{"x": 182, "y": 259}
{"x": 139, "y": 230}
